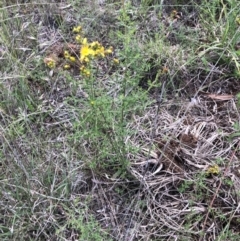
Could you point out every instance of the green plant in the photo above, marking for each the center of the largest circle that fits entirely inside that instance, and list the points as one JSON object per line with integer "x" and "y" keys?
{"x": 220, "y": 20}
{"x": 87, "y": 228}
{"x": 81, "y": 223}
{"x": 103, "y": 121}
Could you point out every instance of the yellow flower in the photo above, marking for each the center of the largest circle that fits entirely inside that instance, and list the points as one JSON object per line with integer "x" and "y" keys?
{"x": 72, "y": 59}
{"x": 109, "y": 51}
{"x": 97, "y": 48}
{"x": 79, "y": 39}
{"x": 77, "y": 29}
{"x": 50, "y": 62}
{"x": 84, "y": 42}
{"x": 82, "y": 68}
{"x": 95, "y": 45}
{"x": 66, "y": 54}
{"x": 85, "y": 53}
{"x": 85, "y": 71}
{"x": 66, "y": 66}
{"x": 213, "y": 169}
{"x": 115, "y": 61}
{"x": 100, "y": 52}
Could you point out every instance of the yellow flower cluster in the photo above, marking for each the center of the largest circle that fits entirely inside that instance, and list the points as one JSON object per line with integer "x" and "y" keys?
{"x": 213, "y": 170}
{"x": 115, "y": 61}
{"x": 82, "y": 58}
{"x": 67, "y": 56}
{"x": 85, "y": 71}
{"x": 50, "y": 62}
{"x": 67, "y": 66}
{"x": 77, "y": 29}
{"x": 89, "y": 51}
{"x": 92, "y": 50}
{"x": 78, "y": 39}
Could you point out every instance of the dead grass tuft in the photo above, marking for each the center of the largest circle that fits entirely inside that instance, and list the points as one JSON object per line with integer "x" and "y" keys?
{"x": 172, "y": 169}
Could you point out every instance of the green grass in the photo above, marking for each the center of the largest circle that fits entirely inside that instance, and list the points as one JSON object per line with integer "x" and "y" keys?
{"x": 76, "y": 152}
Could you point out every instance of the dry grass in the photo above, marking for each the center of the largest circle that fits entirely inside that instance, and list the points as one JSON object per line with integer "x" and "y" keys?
{"x": 175, "y": 188}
